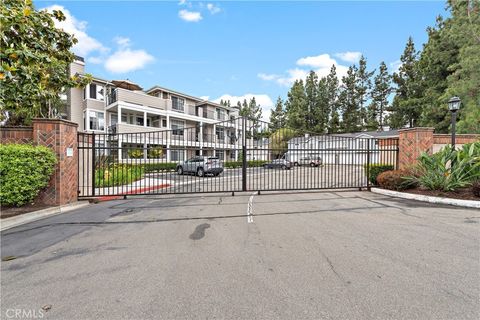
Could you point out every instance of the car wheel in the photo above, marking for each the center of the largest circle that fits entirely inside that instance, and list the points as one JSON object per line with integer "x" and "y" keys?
{"x": 312, "y": 164}
{"x": 284, "y": 167}
{"x": 200, "y": 172}
{"x": 296, "y": 164}
{"x": 180, "y": 171}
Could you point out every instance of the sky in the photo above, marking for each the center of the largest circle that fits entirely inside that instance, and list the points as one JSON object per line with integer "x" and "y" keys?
{"x": 239, "y": 49}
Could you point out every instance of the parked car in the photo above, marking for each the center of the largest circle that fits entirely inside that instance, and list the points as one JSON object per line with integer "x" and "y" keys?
{"x": 201, "y": 166}
{"x": 312, "y": 161}
{"x": 279, "y": 163}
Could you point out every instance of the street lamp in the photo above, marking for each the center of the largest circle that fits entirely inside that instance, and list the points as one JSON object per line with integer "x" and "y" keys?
{"x": 453, "y": 106}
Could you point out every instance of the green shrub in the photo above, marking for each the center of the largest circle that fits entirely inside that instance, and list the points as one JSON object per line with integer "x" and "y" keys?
{"x": 154, "y": 153}
{"x": 396, "y": 180}
{"x": 448, "y": 170}
{"x": 238, "y": 164}
{"x": 375, "y": 169}
{"x": 117, "y": 175}
{"x": 24, "y": 171}
{"x": 135, "y": 153}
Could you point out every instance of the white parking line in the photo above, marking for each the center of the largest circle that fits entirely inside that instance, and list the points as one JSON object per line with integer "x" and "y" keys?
{"x": 250, "y": 209}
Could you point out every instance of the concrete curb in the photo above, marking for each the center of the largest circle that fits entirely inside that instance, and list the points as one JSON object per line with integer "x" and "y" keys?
{"x": 15, "y": 221}
{"x": 438, "y": 200}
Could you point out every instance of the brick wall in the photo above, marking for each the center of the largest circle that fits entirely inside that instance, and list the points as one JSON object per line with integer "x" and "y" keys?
{"x": 58, "y": 135}
{"x": 21, "y": 135}
{"x": 412, "y": 142}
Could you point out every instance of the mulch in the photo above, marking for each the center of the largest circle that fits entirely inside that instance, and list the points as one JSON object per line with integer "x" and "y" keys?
{"x": 463, "y": 194}
{"x": 7, "y": 212}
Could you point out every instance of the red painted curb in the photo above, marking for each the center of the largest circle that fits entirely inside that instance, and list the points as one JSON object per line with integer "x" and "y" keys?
{"x": 135, "y": 191}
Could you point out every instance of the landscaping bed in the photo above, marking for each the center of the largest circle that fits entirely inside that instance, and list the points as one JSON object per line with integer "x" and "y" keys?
{"x": 462, "y": 194}
{"x": 7, "y": 212}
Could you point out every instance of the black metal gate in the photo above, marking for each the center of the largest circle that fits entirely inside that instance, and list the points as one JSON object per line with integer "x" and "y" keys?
{"x": 235, "y": 155}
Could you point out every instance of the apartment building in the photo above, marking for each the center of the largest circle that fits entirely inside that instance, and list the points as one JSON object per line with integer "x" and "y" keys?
{"x": 180, "y": 124}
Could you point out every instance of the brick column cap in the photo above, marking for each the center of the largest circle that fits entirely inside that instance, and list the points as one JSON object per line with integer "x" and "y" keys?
{"x": 426, "y": 129}
{"x": 43, "y": 120}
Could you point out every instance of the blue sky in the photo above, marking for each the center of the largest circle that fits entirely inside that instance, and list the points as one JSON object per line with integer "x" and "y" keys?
{"x": 238, "y": 49}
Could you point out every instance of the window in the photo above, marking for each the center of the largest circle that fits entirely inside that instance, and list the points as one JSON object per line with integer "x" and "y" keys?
{"x": 97, "y": 92}
{"x": 96, "y": 120}
{"x": 139, "y": 121}
{"x": 220, "y": 114}
{"x": 164, "y": 123}
{"x": 165, "y": 95}
{"x": 124, "y": 118}
{"x": 220, "y": 154}
{"x": 220, "y": 132}
{"x": 176, "y": 155}
{"x": 177, "y": 127}
{"x": 178, "y": 104}
{"x": 113, "y": 119}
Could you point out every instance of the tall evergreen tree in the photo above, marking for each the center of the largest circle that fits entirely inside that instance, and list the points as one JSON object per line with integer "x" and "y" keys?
{"x": 363, "y": 86}
{"x": 311, "y": 90}
{"x": 381, "y": 91}
{"x": 277, "y": 117}
{"x": 406, "y": 104}
{"x": 322, "y": 110}
{"x": 296, "y": 106}
{"x": 349, "y": 102}
{"x": 332, "y": 116}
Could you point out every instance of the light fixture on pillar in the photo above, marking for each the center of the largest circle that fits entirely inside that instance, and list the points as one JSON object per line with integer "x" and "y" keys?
{"x": 453, "y": 106}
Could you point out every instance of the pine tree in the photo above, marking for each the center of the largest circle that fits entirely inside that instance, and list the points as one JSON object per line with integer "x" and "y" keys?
{"x": 363, "y": 86}
{"x": 277, "y": 117}
{"x": 311, "y": 90}
{"x": 349, "y": 103}
{"x": 406, "y": 107}
{"x": 250, "y": 110}
{"x": 332, "y": 113}
{"x": 381, "y": 91}
{"x": 296, "y": 106}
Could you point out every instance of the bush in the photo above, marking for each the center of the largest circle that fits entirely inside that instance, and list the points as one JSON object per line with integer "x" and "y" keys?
{"x": 476, "y": 188}
{"x": 117, "y": 175}
{"x": 375, "y": 169}
{"x": 24, "y": 171}
{"x": 238, "y": 164}
{"x": 135, "y": 153}
{"x": 154, "y": 153}
{"x": 448, "y": 170}
{"x": 396, "y": 180}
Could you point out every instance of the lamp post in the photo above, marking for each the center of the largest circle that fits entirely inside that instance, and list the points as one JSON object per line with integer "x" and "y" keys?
{"x": 453, "y": 106}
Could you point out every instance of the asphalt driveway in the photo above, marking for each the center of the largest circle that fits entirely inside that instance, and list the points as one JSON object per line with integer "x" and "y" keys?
{"x": 329, "y": 255}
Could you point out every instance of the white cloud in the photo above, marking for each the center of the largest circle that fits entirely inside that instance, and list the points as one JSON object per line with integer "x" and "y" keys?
{"x": 320, "y": 61}
{"x": 95, "y": 60}
{"x": 321, "y": 64}
{"x": 125, "y": 59}
{"x": 182, "y": 2}
{"x": 349, "y": 56}
{"x": 263, "y": 100}
{"x": 86, "y": 44}
{"x": 213, "y": 8}
{"x": 190, "y": 16}
{"x": 204, "y": 98}
{"x": 395, "y": 66}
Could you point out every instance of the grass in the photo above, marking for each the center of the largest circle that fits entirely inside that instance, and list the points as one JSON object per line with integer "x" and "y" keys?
{"x": 118, "y": 175}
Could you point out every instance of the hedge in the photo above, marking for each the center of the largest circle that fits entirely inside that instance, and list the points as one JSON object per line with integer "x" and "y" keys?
{"x": 117, "y": 175}
{"x": 24, "y": 171}
{"x": 375, "y": 170}
{"x": 238, "y": 164}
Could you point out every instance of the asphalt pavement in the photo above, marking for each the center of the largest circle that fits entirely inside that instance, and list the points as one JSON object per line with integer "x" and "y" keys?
{"x": 319, "y": 255}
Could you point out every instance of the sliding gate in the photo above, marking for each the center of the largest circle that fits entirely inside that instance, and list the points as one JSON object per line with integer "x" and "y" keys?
{"x": 229, "y": 156}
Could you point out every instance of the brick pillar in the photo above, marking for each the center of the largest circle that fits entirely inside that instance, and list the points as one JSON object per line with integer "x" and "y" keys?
{"x": 412, "y": 142}
{"x": 61, "y": 137}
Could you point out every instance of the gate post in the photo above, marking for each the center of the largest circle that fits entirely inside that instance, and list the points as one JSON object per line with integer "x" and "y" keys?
{"x": 244, "y": 153}
{"x": 368, "y": 163}
{"x": 93, "y": 163}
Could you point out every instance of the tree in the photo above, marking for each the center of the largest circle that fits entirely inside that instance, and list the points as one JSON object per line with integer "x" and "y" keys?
{"x": 312, "y": 101}
{"x": 349, "y": 102}
{"x": 296, "y": 107}
{"x": 250, "y": 110}
{"x": 379, "y": 95}
{"x": 332, "y": 87}
{"x": 35, "y": 57}
{"x": 279, "y": 141}
{"x": 277, "y": 117}
{"x": 406, "y": 107}
{"x": 363, "y": 86}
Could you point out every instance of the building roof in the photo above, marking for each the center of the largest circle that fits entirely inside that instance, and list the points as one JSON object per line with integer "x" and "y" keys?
{"x": 365, "y": 134}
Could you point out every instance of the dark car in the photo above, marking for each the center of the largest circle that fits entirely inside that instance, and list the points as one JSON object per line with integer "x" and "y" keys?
{"x": 278, "y": 163}
{"x": 201, "y": 165}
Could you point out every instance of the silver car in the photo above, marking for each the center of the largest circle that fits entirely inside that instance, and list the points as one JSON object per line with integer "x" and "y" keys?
{"x": 201, "y": 165}
{"x": 278, "y": 163}
{"x": 312, "y": 161}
